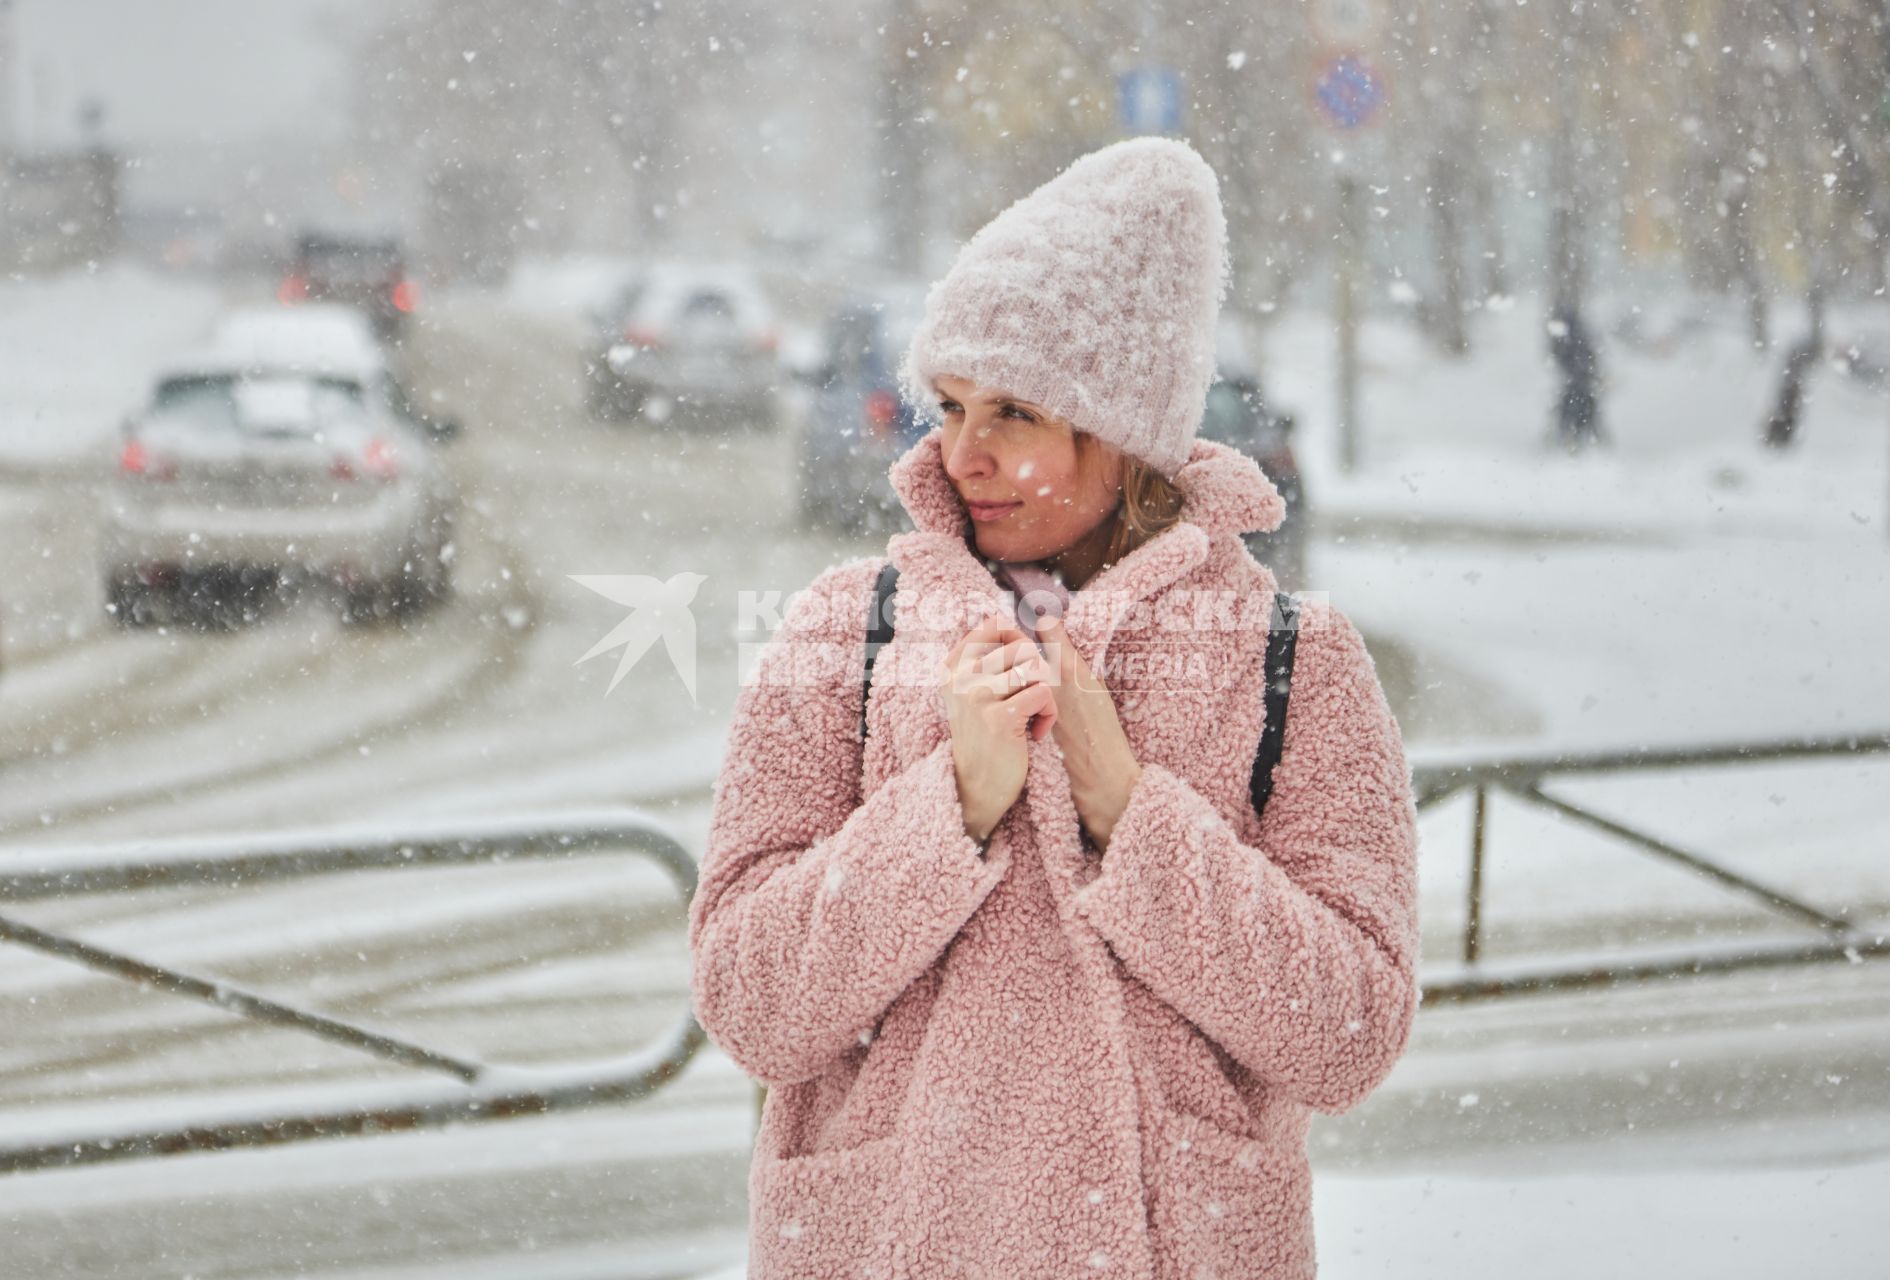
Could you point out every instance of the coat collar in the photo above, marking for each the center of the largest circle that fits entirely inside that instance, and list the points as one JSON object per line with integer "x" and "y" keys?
{"x": 1224, "y": 494}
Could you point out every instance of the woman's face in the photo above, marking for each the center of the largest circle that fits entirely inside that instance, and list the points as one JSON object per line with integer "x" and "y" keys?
{"x": 1016, "y": 469}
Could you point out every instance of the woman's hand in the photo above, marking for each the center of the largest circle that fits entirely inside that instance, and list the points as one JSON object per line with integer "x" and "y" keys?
{"x": 1102, "y": 768}
{"x": 993, "y": 683}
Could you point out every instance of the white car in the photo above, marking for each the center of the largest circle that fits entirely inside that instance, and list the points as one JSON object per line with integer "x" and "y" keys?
{"x": 264, "y": 459}
{"x": 319, "y": 337}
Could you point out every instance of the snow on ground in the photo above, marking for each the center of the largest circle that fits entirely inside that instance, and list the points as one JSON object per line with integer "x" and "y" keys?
{"x": 1732, "y": 1224}
{"x": 77, "y": 351}
{"x": 1749, "y": 1224}
{"x": 1685, "y": 586}
{"x": 1463, "y": 441}
{"x": 1608, "y": 1219}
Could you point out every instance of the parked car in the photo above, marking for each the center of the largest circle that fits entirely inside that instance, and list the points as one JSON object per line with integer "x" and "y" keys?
{"x": 241, "y": 473}
{"x": 366, "y": 272}
{"x": 856, "y": 424}
{"x": 1237, "y": 414}
{"x": 695, "y": 337}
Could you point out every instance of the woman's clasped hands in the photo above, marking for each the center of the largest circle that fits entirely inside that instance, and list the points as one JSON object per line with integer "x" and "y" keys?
{"x": 1001, "y": 692}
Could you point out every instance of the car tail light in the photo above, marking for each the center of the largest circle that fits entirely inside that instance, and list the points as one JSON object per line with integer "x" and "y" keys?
{"x": 293, "y": 289}
{"x": 882, "y": 410}
{"x": 135, "y": 460}
{"x": 376, "y": 461}
{"x": 769, "y": 341}
{"x": 406, "y": 296}
{"x": 642, "y": 337}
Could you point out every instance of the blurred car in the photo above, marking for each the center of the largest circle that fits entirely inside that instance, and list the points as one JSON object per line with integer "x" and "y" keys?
{"x": 856, "y": 424}
{"x": 243, "y": 471}
{"x": 695, "y": 336}
{"x": 1237, "y": 415}
{"x": 365, "y": 272}
{"x": 606, "y": 397}
{"x": 321, "y": 338}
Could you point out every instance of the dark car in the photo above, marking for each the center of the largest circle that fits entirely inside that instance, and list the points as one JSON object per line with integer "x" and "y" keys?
{"x": 1238, "y": 415}
{"x": 368, "y": 273}
{"x": 855, "y": 422}
{"x": 696, "y": 338}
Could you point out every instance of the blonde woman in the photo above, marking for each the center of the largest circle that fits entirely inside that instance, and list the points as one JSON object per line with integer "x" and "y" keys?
{"x": 1036, "y": 991}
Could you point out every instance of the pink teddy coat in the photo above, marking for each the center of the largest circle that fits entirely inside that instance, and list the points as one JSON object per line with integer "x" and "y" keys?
{"x": 1039, "y": 1063}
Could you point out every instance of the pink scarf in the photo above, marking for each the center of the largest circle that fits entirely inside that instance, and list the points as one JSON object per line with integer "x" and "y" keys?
{"x": 1040, "y": 593}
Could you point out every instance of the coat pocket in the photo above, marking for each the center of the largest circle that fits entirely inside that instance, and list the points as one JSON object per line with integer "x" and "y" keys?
{"x": 1229, "y": 1207}
{"x": 829, "y": 1214}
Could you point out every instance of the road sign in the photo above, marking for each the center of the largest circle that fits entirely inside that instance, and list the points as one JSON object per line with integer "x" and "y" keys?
{"x": 1150, "y": 99}
{"x": 1349, "y": 91}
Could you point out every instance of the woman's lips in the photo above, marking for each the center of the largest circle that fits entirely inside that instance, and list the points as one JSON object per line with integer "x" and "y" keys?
{"x": 984, "y": 511}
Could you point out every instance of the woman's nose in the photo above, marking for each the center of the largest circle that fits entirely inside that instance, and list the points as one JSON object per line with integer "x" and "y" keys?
{"x": 968, "y": 456}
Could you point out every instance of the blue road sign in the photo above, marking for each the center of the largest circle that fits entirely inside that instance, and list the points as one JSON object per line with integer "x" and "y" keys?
{"x": 1150, "y": 99}
{"x": 1349, "y": 91}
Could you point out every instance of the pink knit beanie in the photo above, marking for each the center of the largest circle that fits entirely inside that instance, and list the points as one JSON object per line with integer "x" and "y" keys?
{"x": 1096, "y": 297}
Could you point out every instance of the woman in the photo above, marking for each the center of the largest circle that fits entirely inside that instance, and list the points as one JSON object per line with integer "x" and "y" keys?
{"x": 1035, "y": 992}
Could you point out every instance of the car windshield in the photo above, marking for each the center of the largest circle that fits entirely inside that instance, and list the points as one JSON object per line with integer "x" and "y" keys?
{"x": 259, "y": 405}
{"x": 620, "y": 307}
{"x": 867, "y": 340}
{"x": 707, "y": 313}
{"x": 338, "y": 260}
{"x": 709, "y": 302}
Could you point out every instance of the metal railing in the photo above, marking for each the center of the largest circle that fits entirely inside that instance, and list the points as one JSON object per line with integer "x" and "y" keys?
{"x": 1438, "y": 776}
{"x": 482, "y": 1091}
{"x": 476, "y": 1091}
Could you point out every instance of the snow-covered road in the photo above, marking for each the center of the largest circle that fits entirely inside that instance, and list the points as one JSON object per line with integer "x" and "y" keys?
{"x": 1483, "y": 631}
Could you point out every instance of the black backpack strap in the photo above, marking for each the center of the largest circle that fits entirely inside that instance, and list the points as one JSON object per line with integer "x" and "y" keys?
{"x": 1281, "y": 640}
{"x": 879, "y": 629}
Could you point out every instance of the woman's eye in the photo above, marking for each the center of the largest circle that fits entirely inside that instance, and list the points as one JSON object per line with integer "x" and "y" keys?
{"x": 948, "y": 408}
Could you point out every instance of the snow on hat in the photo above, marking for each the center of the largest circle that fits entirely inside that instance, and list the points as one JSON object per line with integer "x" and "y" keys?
{"x": 1095, "y": 297}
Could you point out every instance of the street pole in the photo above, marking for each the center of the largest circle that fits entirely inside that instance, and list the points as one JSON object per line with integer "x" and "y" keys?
{"x": 1347, "y": 315}
{"x": 1349, "y": 94}
{"x": 8, "y": 86}
{"x": 901, "y": 158}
